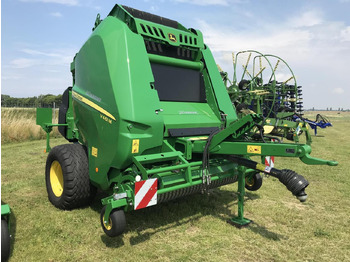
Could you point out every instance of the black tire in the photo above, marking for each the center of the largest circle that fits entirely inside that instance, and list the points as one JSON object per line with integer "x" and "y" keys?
{"x": 67, "y": 177}
{"x": 5, "y": 241}
{"x": 117, "y": 222}
{"x": 253, "y": 183}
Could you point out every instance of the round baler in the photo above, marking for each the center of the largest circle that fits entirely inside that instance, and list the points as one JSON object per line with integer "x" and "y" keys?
{"x": 150, "y": 120}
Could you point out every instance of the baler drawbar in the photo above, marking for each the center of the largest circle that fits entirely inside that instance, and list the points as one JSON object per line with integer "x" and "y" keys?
{"x": 149, "y": 120}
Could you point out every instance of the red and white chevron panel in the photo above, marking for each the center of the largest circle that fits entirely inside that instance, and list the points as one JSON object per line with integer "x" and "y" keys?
{"x": 270, "y": 160}
{"x": 146, "y": 193}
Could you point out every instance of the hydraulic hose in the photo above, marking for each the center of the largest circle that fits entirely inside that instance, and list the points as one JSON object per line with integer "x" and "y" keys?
{"x": 294, "y": 182}
{"x": 205, "y": 161}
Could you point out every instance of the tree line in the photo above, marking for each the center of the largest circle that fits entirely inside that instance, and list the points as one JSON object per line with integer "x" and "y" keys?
{"x": 35, "y": 101}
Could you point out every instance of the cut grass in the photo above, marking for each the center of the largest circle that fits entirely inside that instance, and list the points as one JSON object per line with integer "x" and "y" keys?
{"x": 194, "y": 228}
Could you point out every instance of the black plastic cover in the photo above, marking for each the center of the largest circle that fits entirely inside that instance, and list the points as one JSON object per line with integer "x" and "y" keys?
{"x": 62, "y": 113}
{"x": 150, "y": 17}
{"x": 178, "y": 84}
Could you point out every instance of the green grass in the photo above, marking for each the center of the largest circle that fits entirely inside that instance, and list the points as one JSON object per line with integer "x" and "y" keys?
{"x": 194, "y": 228}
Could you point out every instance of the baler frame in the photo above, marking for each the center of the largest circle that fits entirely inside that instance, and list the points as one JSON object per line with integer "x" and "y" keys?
{"x": 123, "y": 195}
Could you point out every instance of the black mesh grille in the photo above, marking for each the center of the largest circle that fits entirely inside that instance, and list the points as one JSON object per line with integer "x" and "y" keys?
{"x": 169, "y": 51}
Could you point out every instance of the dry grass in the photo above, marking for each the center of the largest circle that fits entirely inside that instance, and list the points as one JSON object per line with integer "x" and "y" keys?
{"x": 18, "y": 125}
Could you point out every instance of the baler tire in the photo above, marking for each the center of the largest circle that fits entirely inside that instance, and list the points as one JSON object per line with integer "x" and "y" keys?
{"x": 253, "y": 183}
{"x": 117, "y": 222}
{"x": 5, "y": 241}
{"x": 67, "y": 177}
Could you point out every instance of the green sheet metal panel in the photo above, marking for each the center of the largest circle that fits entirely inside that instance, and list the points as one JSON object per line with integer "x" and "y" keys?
{"x": 112, "y": 72}
{"x": 222, "y": 98}
{"x": 5, "y": 210}
{"x": 188, "y": 115}
{"x": 43, "y": 116}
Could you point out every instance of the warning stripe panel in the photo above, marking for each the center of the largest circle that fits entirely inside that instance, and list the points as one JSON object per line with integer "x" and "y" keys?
{"x": 138, "y": 186}
{"x": 270, "y": 160}
{"x": 145, "y": 186}
{"x": 146, "y": 200}
{"x": 145, "y": 193}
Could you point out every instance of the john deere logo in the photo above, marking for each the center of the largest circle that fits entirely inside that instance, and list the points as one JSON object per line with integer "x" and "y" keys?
{"x": 172, "y": 37}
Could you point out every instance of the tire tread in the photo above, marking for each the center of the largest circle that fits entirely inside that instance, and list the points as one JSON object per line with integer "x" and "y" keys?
{"x": 77, "y": 191}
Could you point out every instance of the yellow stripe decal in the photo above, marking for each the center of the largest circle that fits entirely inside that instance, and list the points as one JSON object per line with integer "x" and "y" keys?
{"x": 92, "y": 104}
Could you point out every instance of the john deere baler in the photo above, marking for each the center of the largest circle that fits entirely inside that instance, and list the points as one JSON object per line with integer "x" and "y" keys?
{"x": 150, "y": 120}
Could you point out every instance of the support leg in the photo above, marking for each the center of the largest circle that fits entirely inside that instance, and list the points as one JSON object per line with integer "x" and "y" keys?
{"x": 240, "y": 220}
{"x": 48, "y": 148}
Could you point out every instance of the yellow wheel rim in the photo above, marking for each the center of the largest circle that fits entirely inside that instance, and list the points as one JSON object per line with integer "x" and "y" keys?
{"x": 109, "y": 226}
{"x": 56, "y": 178}
{"x": 249, "y": 182}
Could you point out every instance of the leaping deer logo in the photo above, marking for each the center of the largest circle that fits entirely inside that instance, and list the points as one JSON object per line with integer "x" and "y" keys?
{"x": 172, "y": 37}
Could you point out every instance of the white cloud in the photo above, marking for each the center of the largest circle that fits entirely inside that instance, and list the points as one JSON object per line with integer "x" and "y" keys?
{"x": 61, "y": 57}
{"x": 267, "y": 41}
{"x": 38, "y": 71}
{"x": 56, "y": 14}
{"x": 323, "y": 40}
{"x": 212, "y": 2}
{"x": 23, "y": 63}
{"x": 306, "y": 19}
{"x": 205, "y": 2}
{"x": 338, "y": 91}
{"x": 11, "y": 76}
{"x": 62, "y": 2}
{"x": 36, "y": 52}
{"x": 317, "y": 49}
{"x": 50, "y": 80}
{"x": 154, "y": 8}
{"x": 345, "y": 34}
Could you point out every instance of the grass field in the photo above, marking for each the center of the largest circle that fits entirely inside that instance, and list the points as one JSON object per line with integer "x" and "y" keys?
{"x": 194, "y": 228}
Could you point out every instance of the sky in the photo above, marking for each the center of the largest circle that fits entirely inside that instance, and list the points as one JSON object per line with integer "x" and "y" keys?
{"x": 39, "y": 39}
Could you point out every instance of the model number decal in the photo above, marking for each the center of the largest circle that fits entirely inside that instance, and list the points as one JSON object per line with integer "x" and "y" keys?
{"x": 86, "y": 101}
{"x": 106, "y": 119}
